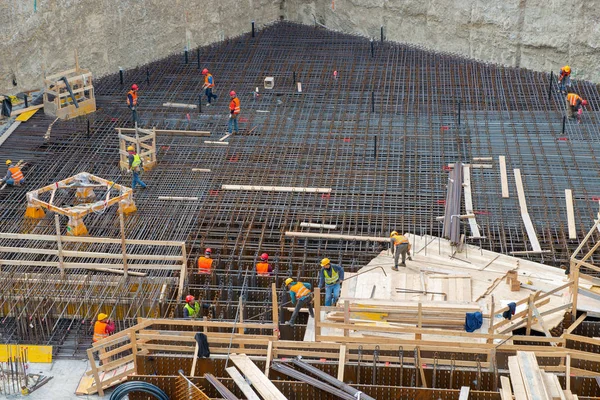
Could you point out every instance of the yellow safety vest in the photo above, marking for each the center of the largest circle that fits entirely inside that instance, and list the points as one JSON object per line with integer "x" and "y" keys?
{"x": 193, "y": 312}
{"x": 399, "y": 239}
{"x": 330, "y": 280}
{"x": 300, "y": 290}
{"x": 136, "y": 161}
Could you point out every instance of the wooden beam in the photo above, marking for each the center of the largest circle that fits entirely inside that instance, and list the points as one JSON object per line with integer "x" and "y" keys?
{"x": 269, "y": 357}
{"x": 9, "y": 132}
{"x": 317, "y": 299}
{"x": 263, "y": 385}
{"x": 171, "y": 132}
{"x": 312, "y": 225}
{"x": 180, "y": 105}
{"x": 24, "y": 110}
{"x": 503, "y": 177}
{"x": 570, "y": 214}
{"x": 506, "y": 392}
{"x": 469, "y": 201}
{"x": 341, "y": 363}
{"x": 336, "y": 236}
{"x": 531, "y": 234}
{"x": 275, "y": 311}
{"x": 242, "y": 384}
{"x": 276, "y": 188}
{"x": 516, "y": 379}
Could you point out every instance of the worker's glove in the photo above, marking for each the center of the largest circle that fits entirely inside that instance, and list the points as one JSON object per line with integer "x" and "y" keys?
{"x": 230, "y": 116}
{"x": 129, "y": 171}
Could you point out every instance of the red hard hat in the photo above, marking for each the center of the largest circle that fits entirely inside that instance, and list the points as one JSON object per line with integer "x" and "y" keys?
{"x": 232, "y": 93}
{"x": 208, "y": 250}
{"x": 204, "y": 71}
{"x": 189, "y": 298}
{"x": 584, "y": 102}
{"x": 134, "y": 87}
{"x": 264, "y": 256}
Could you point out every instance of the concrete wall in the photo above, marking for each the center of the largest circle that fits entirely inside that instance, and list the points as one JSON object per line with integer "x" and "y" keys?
{"x": 109, "y": 34}
{"x": 541, "y": 35}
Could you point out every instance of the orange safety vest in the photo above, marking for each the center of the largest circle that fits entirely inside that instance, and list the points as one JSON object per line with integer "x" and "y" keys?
{"x": 204, "y": 265}
{"x": 399, "y": 239}
{"x": 16, "y": 174}
{"x": 207, "y": 83}
{"x": 300, "y": 290}
{"x": 262, "y": 268}
{"x": 235, "y": 105}
{"x": 133, "y": 96}
{"x": 572, "y": 98}
{"x": 564, "y": 73}
{"x": 99, "y": 331}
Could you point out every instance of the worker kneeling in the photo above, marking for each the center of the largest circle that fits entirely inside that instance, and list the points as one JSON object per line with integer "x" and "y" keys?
{"x": 14, "y": 175}
{"x": 331, "y": 277}
{"x": 301, "y": 296}
{"x": 575, "y": 106}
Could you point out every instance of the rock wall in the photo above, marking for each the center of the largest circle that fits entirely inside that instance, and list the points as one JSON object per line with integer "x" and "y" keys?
{"x": 542, "y": 35}
{"x": 109, "y": 34}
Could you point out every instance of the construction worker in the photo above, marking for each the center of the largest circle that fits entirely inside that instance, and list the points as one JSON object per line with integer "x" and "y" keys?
{"x": 205, "y": 262}
{"x": 135, "y": 166}
{"x": 263, "y": 268}
{"x": 331, "y": 277}
{"x": 575, "y": 106}
{"x": 234, "y": 111}
{"x": 399, "y": 245}
{"x": 192, "y": 308}
{"x": 564, "y": 78}
{"x": 300, "y": 294}
{"x": 103, "y": 328}
{"x": 209, "y": 85}
{"x": 132, "y": 101}
{"x": 14, "y": 175}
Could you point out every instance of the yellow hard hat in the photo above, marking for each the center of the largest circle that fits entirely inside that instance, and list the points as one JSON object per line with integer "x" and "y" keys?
{"x": 102, "y": 316}
{"x": 130, "y": 148}
{"x": 394, "y": 233}
{"x": 288, "y": 281}
{"x": 567, "y": 68}
{"x": 8, "y": 162}
{"x": 325, "y": 262}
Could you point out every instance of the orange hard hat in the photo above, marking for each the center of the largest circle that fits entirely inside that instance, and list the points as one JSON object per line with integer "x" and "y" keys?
{"x": 264, "y": 256}
{"x": 189, "y": 298}
{"x": 584, "y": 102}
{"x": 232, "y": 93}
{"x": 134, "y": 87}
{"x": 204, "y": 71}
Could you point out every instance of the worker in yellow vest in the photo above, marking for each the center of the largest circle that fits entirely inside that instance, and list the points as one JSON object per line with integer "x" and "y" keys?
{"x": 399, "y": 246}
{"x": 301, "y": 295}
{"x": 135, "y": 166}
{"x": 205, "y": 262}
{"x": 14, "y": 175}
{"x": 331, "y": 277}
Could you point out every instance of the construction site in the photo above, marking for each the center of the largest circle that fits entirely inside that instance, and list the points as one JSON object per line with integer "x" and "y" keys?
{"x": 342, "y": 140}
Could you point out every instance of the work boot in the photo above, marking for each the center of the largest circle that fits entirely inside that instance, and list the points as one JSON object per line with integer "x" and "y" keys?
{"x": 290, "y": 323}
{"x": 409, "y": 258}
{"x": 394, "y": 268}
{"x": 403, "y": 265}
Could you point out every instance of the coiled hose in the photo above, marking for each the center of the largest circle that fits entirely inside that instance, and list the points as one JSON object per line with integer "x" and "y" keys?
{"x": 125, "y": 388}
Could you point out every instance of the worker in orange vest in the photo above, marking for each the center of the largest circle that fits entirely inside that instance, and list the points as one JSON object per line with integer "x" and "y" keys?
{"x": 301, "y": 295}
{"x": 205, "y": 262}
{"x": 209, "y": 85}
{"x": 564, "y": 79}
{"x": 103, "y": 328}
{"x": 263, "y": 268}
{"x": 132, "y": 101}
{"x": 14, "y": 175}
{"x": 234, "y": 111}
{"x": 575, "y": 106}
{"x": 399, "y": 245}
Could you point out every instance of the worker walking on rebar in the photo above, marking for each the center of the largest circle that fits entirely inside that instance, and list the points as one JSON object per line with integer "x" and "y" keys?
{"x": 14, "y": 175}
{"x": 399, "y": 246}
{"x": 135, "y": 166}
{"x": 564, "y": 78}
{"x": 331, "y": 277}
{"x": 209, "y": 85}
{"x": 234, "y": 111}
{"x": 132, "y": 101}
{"x": 300, "y": 295}
{"x": 263, "y": 268}
{"x": 205, "y": 262}
{"x": 575, "y": 106}
{"x": 103, "y": 328}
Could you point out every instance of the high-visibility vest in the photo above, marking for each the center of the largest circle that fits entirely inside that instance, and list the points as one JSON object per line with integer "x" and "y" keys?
{"x": 564, "y": 73}
{"x": 137, "y": 161}
{"x": 193, "y": 312}
{"x": 572, "y": 98}
{"x": 133, "y": 96}
{"x": 16, "y": 174}
{"x": 399, "y": 239}
{"x": 99, "y": 331}
{"x": 300, "y": 290}
{"x": 205, "y": 265}
{"x": 262, "y": 268}
{"x": 207, "y": 79}
{"x": 235, "y": 105}
{"x": 330, "y": 280}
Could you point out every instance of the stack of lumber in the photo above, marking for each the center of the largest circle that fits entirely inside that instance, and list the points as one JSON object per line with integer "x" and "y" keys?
{"x": 429, "y": 314}
{"x": 529, "y": 382}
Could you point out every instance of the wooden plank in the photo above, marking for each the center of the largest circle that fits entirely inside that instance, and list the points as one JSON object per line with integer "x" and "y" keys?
{"x": 87, "y": 239}
{"x": 570, "y": 214}
{"x": 312, "y": 225}
{"x": 469, "y": 201}
{"x": 341, "y": 363}
{"x": 532, "y": 377}
{"x": 269, "y": 358}
{"x": 464, "y": 393}
{"x": 531, "y": 234}
{"x": 9, "y": 132}
{"x": 276, "y": 188}
{"x": 506, "y": 392}
{"x": 193, "y": 369}
{"x": 263, "y": 385}
{"x": 540, "y": 319}
{"x": 172, "y": 132}
{"x": 558, "y": 386}
{"x": 180, "y": 105}
{"x": 503, "y": 177}
{"x": 516, "y": 379}
{"x": 242, "y": 384}
{"x": 24, "y": 110}
{"x": 335, "y": 236}
{"x": 553, "y": 392}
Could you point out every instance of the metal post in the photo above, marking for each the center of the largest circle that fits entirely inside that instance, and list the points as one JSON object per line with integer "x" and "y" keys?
{"x": 26, "y": 100}
{"x": 372, "y": 101}
{"x": 550, "y": 85}
{"x": 564, "y": 123}
{"x": 199, "y": 103}
{"x": 186, "y": 55}
{"x": 372, "y": 49}
{"x": 147, "y": 75}
{"x": 121, "y": 75}
{"x": 459, "y": 103}
{"x": 294, "y": 78}
{"x": 198, "y": 53}
{"x": 375, "y": 147}
{"x": 88, "y": 128}
{"x": 381, "y": 33}
{"x": 252, "y": 28}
